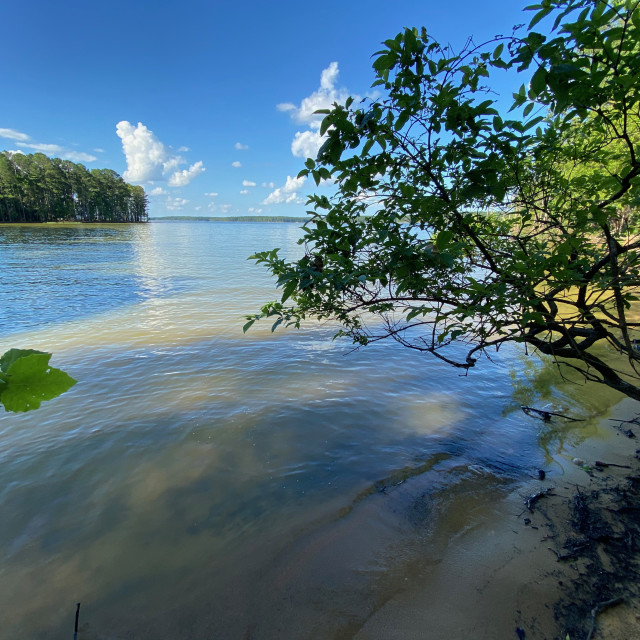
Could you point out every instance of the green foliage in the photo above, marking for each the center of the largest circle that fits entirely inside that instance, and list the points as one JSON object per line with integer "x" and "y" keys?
{"x": 457, "y": 227}
{"x": 36, "y": 188}
{"x": 26, "y": 379}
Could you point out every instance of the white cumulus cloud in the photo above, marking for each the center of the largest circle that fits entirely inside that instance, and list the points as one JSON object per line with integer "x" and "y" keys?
{"x": 248, "y": 183}
{"x": 212, "y": 194}
{"x": 236, "y": 164}
{"x": 287, "y": 193}
{"x": 158, "y": 191}
{"x": 146, "y": 156}
{"x": 307, "y": 143}
{"x": 148, "y": 159}
{"x": 321, "y": 98}
{"x": 184, "y": 177}
{"x": 240, "y": 147}
{"x": 244, "y": 192}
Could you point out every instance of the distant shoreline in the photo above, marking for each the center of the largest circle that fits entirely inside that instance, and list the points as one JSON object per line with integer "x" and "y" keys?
{"x": 229, "y": 219}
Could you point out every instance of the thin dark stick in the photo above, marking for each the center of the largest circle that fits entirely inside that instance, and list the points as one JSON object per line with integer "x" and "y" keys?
{"x": 546, "y": 415}
{"x": 634, "y": 421}
{"x": 598, "y": 609}
{"x": 75, "y": 628}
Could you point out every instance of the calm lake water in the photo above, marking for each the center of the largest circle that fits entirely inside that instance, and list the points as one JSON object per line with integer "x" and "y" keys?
{"x": 202, "y": 483}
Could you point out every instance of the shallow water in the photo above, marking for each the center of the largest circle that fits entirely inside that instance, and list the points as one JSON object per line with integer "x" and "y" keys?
{"x": 198, "y": 482}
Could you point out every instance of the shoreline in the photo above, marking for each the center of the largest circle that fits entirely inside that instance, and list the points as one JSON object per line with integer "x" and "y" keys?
{"x": 566, "y": 567}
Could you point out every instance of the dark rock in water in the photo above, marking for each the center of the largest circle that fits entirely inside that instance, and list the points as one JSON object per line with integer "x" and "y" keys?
{"x": 520, "y": 633}
{"x": 541, "y": 474}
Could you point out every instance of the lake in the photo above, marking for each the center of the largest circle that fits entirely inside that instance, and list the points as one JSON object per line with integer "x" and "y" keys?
{"x": 198, "y": 482}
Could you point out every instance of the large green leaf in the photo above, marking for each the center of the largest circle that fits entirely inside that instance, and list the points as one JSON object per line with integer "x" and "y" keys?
{"x": 539, "y": 81}
{"x": 12, "y": 355}
{"x": 29, "y": 380}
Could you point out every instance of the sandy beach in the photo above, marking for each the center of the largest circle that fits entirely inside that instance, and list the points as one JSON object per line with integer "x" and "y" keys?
{"x": 565, "y": 567}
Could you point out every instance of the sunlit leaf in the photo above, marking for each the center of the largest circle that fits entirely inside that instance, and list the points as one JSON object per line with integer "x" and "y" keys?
{"x": 29, "y": 380}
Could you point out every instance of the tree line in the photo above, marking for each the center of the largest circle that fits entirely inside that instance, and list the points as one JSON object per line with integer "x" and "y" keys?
{"x": 36, "y": 188}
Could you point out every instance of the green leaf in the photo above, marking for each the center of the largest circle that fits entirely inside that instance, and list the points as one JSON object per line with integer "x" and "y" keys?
{"x": 384, "y": 62}
{"x": 367, "y": 146}
{"x": 14, "y": 354}
{"x": 539, "y": 81}
{"x": 598, "y": 11}
{"x": 324, "y": 125}
{"x": 288, "y": 289}
{"x": 413, "y": 313}
{"x": 30, "y": 380}
{"x": 402, "y": 120}
{"x": 247, "y": 326}
{"x": 443, "y": 239}
{"x": 539, "y": 16}
{"x": 532, "y": 123}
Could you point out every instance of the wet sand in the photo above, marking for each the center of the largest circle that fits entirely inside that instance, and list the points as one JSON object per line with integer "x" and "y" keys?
{"x": 510, "y": 575}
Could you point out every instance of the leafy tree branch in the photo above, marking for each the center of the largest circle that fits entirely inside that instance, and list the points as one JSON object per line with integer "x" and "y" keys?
{"x": 456, "y": 227}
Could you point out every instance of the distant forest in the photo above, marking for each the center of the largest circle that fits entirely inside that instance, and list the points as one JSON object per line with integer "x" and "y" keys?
{"x": 230, "y": 219}
{"x": 36, "y": 188}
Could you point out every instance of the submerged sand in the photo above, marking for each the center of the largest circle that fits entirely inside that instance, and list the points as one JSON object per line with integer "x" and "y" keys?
{"x": 447, "y": 551}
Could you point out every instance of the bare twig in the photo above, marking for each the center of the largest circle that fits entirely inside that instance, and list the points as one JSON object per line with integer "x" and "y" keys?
{"x": 546, "y": 415}
{"x": 599, "y": 463}
{"x": 599, "y": 608}
{"x": 635, "y": 421}
{"x": 533, "y": 498}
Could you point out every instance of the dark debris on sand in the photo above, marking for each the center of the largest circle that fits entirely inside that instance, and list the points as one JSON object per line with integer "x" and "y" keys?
{"x": 600, "y": 543}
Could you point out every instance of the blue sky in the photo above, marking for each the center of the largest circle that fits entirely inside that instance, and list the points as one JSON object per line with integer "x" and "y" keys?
{"x": 206, "y": 104}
